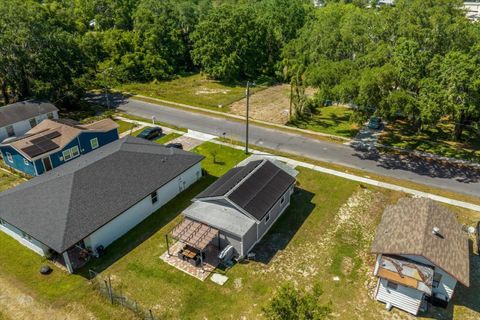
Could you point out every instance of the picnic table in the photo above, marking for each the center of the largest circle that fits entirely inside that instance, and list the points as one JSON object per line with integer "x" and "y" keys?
{"x": 190, "y": 254}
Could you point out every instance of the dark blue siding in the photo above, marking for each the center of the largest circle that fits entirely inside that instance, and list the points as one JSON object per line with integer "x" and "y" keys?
{"x": 103, "y": 139}
{"x": 82, "y": 142}
{"x": 18, "y": 161}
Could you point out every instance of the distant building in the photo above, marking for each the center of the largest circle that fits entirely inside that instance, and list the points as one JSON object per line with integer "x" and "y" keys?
{"x": 422, "y": 252}
{"x": 55, "y": 142}
{"x": 17, "y": 118}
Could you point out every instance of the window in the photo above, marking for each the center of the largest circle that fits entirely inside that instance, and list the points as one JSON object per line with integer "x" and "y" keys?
{"x": 9, "y": 157}
{"x": 50, "y": 115}
{"x": 25, "y": 161}
{"x": 283, "y": 200}
{"x": 267, "y": 218}
{"x": 94, "y": 143}
{"x": 33, "y": 122}
{"x": 437, "y": 278}
{"x": 10, "y": 131}
{"x": 391, "y": 285}
{"x": 75, "y": 152}
{"x": 67, "y": 155}
{"x": 2, "y": 222}
{"x": 154, "y": 197}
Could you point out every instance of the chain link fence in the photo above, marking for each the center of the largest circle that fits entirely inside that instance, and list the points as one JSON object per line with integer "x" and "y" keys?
{"x": 104, "y": 286}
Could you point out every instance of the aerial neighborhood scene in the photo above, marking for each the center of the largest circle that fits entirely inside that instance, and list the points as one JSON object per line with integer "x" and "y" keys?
{"x": 239, "y": 159}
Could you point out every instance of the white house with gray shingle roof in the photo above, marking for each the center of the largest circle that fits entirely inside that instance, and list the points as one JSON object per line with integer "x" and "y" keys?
{"x": 17, "y": 118}
{"x": 422, "y": 252}
{"x": 95, "y": 199}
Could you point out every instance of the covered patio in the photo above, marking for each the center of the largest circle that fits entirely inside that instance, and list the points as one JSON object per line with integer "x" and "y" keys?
{"x": 196, "y": 249}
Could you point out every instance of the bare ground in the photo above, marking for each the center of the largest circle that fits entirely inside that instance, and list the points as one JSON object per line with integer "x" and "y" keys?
{"x": 271, "y": 104}
{"x": 15, "y": 304}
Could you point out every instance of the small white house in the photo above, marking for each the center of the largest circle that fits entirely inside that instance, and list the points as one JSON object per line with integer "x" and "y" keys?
{"x": 93, "y": 200}
{"x": 18, "y": 118}
{"x": 422, "y": 253}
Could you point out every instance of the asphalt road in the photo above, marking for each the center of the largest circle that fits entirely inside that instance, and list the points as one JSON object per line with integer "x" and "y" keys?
{"x": 417, "y": 170}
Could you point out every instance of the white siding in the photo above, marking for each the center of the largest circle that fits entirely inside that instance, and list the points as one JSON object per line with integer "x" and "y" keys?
{"x": 404, "y": 298}
{"x": 22, "y": 127}
{"x": 133, "y": 216}
{"x": 32, "y": 244}
{"x": 447, "y": 284}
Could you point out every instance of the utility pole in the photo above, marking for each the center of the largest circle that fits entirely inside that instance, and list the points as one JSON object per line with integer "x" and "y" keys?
{"x": 249, "y": 84}
{"x": 248, "y": 109}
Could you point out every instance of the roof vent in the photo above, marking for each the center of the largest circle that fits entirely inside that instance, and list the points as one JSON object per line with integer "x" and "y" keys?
{"x": 436, "y": 231}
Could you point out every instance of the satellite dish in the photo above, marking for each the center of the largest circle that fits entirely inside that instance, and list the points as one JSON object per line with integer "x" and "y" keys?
{"x": 471, "y": 230}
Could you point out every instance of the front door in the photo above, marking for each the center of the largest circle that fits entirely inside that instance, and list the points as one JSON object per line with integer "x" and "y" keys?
{"x": 47, "y": 163}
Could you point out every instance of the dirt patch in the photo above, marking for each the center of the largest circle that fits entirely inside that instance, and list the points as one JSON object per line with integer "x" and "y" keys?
{"x": 271, "y": 104}
{"x": 211, "y": 91}
{"x": 347, "y": 265}
{"x": 15, "y": 304}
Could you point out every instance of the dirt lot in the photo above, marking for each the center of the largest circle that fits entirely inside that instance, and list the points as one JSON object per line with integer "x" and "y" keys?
{"x": 271, "y": 104}
{"x": 16, "y": 304}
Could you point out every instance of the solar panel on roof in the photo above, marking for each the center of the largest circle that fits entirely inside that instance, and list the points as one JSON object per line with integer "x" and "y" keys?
{"x": 47, "y": 145}
{"x": 53, "y": 135}
{"x": 38, "y": 140}
{"x": 32, "y": 151}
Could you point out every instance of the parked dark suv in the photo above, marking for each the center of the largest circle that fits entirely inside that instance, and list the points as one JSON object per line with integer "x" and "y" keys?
{"x": 175, "y": 145}
{"x": 150, "y": 133}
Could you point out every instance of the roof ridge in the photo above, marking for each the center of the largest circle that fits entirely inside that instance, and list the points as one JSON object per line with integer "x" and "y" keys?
{"x": 69, "y": 205}
{"x": 239, "y": 183}
{"x": 265, "y": 182}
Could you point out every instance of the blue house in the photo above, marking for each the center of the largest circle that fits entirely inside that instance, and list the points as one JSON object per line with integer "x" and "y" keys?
{"x": 54, "y": 142}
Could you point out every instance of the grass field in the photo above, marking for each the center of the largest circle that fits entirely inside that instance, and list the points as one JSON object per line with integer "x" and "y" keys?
{"x": 124, "y": 126}
{"x": 193, "y": 90}
{"x": 325, "y": 233}
{"x": 333, "y": 120}
{"x": 436, "y": 140}
{"x": 8, "y": 181}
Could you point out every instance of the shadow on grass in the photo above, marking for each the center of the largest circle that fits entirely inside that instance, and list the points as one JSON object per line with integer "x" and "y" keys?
{"x": 146, "y": 228}
{"x": 467, "y": 297}
{"x": 282, "y": 232}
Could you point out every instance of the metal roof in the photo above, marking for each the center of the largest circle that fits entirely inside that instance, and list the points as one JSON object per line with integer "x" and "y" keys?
{"x": 254, "y": 188}
{"x": 220, "y": 216}
{"x": 65, "y": 205}
{"x": 24, "y": 110}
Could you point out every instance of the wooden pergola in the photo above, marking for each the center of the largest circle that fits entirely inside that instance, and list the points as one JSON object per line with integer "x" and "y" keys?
{"x": 194, "y": 234}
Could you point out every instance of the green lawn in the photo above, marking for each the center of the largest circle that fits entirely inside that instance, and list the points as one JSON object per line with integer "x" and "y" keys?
{"x": 8, "y": 181}
{"x": 333, "y": 120}
{"x": 124, "y": 126}
{"x": 193, "y": 90}
{"x": 284, "y": 255}
{"x": 436, "y": 140}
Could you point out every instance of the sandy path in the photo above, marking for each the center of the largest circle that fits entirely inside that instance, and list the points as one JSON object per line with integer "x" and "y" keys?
{"x": 15, "y": 304}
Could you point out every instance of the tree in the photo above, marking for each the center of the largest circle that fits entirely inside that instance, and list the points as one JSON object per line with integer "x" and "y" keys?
{"x": 293, "y": 304}
{"x": 232, "y": 43}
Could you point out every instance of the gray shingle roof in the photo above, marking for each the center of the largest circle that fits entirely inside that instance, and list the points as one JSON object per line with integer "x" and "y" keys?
{"x": 255, "y": 188}
{"x": 24, "y": 110}
{"x": 406, "y": 229}
{"x": 67, "y": 204}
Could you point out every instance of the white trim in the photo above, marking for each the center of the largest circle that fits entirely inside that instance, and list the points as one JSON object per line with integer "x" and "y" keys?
{"x": 69, "y": 152}
{"x": 9, "y": 156}
{"x": 72, "y": 150}
{"x": 96, "y": 141}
